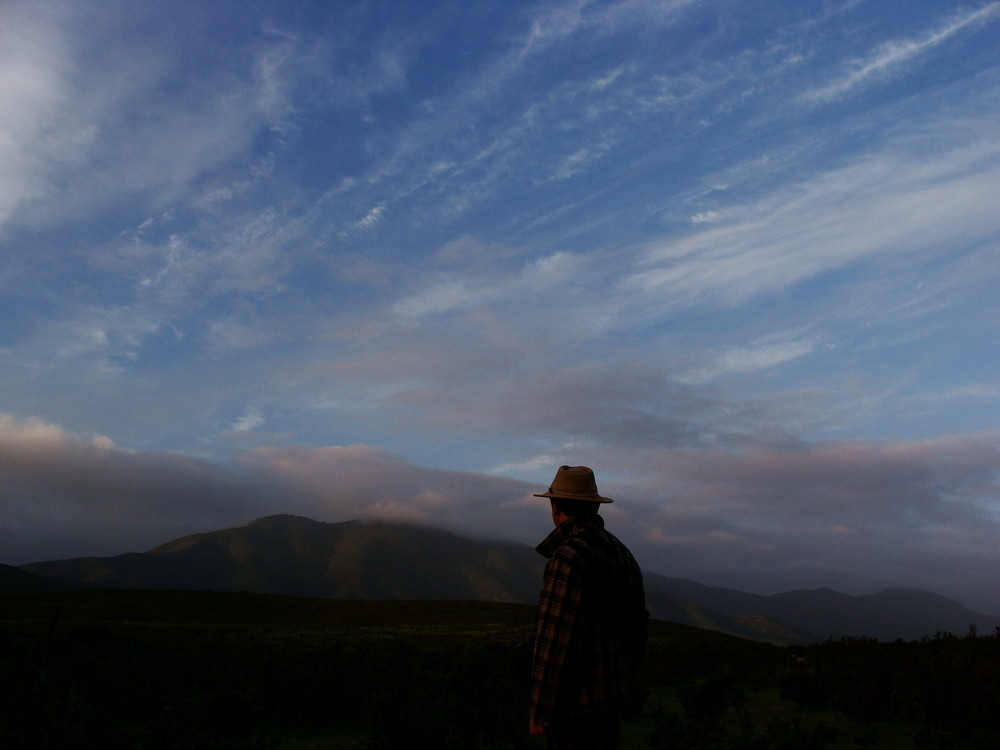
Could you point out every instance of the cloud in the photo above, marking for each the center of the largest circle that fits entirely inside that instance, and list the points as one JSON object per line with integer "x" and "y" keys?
{"x": 61, "y": 495}
{"x": 31, "y": 92}
{"x": 901, "y": 201}
{"x": 91, "y": 125}
{"x": 760, "y": 355}
{"x": 893, "y": 55}
{"x": 444, "y": 295}
{"x": 64, "y": 495}
{"x": 250, "y": 420}
{"x": 371, "y": 219}
{"x": 478, "y": 136}
{"x": 364, "y": 481}
{"x": 706, "y": 217}
{"x": 854, "y": 515}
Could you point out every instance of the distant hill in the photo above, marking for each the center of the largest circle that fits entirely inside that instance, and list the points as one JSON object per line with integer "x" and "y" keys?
{"x": 300, "y": 557}
{"x": 888, "y": 615}
{"x": 358, "y": 560}
{"x": 296, "y": 556}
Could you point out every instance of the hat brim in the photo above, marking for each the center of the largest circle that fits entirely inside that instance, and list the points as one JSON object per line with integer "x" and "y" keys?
{"x": 571, "y": 496}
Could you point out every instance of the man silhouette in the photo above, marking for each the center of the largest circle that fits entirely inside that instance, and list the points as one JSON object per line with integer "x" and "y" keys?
{"x": 591, "y": 628}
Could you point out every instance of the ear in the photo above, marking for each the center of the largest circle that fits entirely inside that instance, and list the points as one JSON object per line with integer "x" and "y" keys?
{"x": 557, "y": 515}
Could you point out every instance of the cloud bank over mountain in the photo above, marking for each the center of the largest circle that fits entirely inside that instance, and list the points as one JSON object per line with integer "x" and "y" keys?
{"x": 856, "y": 516}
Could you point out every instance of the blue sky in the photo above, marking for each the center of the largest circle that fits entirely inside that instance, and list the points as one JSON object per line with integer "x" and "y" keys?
{"x": 398, "y": 260}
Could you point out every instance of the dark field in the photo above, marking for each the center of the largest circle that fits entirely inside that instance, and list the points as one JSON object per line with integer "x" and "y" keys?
{"x": 156, "y": 670}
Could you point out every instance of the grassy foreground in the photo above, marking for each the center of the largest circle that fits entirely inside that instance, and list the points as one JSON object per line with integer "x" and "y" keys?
{"x": 170, "y": 669}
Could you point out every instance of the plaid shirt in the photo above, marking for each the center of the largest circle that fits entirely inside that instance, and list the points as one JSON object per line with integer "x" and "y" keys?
{"x": 591, "y": 627}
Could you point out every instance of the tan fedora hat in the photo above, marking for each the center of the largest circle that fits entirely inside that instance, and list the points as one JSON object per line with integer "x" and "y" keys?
{"x": 575, "y": 483}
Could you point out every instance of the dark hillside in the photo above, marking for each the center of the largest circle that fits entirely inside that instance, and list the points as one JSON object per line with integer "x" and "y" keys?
{"x": 293, "y": 556}
{"x": 893, "y": 613}
{"x": 298, "y": 557}
{"x": 122, "y": 669}
{"x": 889, "y": 615}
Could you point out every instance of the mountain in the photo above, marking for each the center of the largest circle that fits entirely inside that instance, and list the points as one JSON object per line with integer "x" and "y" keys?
{"x": 360, "y": 560}
{"x": 896, "y": 613}
{"x": 300, "y": 557}
{"x": 375, "y": 560}
{"x": 664, "y": 605}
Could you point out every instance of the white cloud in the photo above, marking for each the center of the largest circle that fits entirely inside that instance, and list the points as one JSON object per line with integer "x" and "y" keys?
{"x": 743, "y": 360}
{"x": 250, "y": 420}
{"x": 371, "y": 219}
{"x": 90, "y": 125}
{"x": 890, "y": 56}
{"x": 903, "y": 201}
{"x": 32, "y": 90}
{"x": 706, "y": 217}
{"x": 441, "y": 296}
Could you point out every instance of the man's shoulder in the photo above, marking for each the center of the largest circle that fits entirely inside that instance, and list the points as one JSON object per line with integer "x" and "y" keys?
{"x": 586, "y": 542}
{"x": 583, "y": 540}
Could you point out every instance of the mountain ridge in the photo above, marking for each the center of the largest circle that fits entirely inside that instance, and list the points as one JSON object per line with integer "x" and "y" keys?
{"x": 890, "y": 614}
{"x": 296, "y": 556}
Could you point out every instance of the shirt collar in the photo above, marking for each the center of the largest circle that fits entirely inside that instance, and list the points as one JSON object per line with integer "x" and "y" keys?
{"x": 565, "y": 531}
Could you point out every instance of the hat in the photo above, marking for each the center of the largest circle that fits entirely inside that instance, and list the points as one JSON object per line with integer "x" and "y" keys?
{"x": 575, "y": 483}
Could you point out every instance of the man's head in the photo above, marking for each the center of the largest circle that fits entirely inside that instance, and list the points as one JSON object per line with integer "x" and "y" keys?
{"x": 573, "y": 493}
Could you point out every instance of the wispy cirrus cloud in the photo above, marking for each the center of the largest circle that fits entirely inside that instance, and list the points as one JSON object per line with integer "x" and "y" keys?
{"x": 892, "y": 57}
{"x": 107, "y": 157}
{"x": 758, "y": 355}
{"x": 894, "y": 202}
{"x": 32, "y": 91}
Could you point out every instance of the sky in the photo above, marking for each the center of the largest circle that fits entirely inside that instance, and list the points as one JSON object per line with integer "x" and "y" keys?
{"x": 374, "y": 259}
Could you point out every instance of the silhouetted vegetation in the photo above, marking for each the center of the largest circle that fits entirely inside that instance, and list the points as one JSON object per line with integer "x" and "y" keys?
{"x": 948, "y": 687}
{"x": 157, "y": 670}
